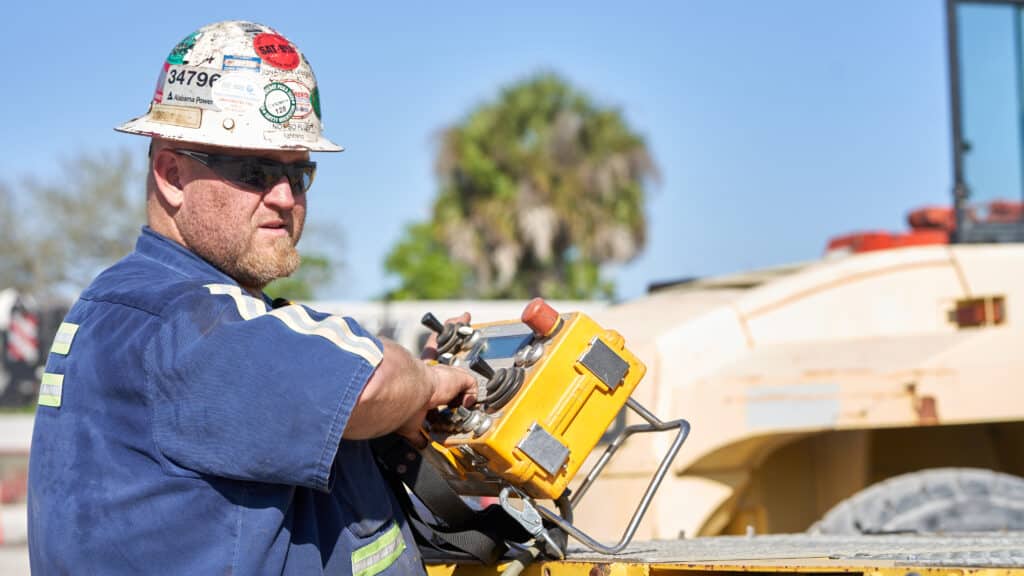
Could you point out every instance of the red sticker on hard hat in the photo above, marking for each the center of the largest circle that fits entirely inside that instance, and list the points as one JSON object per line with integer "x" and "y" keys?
{"x": 276, "y": 50}
{"x": 158, "y": 95}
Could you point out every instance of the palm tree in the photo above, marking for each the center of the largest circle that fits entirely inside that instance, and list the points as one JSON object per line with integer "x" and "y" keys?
{"x": 539, "y": 189}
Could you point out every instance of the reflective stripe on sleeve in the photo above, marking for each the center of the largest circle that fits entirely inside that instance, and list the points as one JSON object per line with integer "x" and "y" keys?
{"x": 51, "y": 389}
{"x": 376, "y": 556}
{"x": 248, "y": 307}
{"x": 62, "y": 340}
{"x": 332, "y": 328}
{"x": 298, "y": 320}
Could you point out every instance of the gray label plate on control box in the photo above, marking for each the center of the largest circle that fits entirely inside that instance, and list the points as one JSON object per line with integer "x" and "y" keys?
{"x": 544, "y": 449}
{"x": 608, "y": 366}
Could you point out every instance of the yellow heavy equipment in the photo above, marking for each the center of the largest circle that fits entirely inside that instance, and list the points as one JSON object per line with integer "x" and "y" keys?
{"x": 871, "y": 398}
{"x": 874, "y": 390}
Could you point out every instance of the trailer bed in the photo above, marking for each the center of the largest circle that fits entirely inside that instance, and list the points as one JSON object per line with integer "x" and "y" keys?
{"x": 881, "y": 555}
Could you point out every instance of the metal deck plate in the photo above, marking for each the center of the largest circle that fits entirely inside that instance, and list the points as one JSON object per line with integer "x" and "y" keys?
{"x": 997, "y": 554}
{"x": 968, "y": 550}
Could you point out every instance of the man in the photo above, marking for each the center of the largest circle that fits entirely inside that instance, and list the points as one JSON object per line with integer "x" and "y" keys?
{"x": 187, "y": 425}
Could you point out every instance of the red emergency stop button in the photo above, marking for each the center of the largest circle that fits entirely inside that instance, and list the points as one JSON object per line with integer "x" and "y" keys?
{"x": 541, "y": 317}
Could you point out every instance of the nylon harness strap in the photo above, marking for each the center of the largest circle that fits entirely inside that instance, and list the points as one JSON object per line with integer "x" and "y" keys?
{"x": 459, "y": 530}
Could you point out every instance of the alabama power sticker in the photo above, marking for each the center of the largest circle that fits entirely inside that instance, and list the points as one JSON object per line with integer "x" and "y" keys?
{"x": 278, "y": 103}
{"x": 190, "y": 86}
{"x": 276, "y": 50}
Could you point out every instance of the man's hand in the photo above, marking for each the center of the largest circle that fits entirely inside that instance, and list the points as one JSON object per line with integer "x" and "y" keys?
{"x": 452, "y": 386}
{"x": 402, "y": 390}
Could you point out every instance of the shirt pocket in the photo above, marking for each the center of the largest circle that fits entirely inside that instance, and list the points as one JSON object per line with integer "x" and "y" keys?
{"x": 386, "y": 553}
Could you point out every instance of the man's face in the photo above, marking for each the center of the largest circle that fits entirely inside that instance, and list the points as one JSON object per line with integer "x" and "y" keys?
{"x": 247, "y": 233}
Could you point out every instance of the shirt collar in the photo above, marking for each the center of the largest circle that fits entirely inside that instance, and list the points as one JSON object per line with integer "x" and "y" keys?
{"x": 162, "y": 249}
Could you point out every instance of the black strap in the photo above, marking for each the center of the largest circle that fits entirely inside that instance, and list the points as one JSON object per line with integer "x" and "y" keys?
{"x": 457, "y": 530}
{"x": 399, "y": 459}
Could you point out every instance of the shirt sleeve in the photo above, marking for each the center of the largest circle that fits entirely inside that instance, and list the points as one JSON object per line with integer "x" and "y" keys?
{"x": 245, "y": 392}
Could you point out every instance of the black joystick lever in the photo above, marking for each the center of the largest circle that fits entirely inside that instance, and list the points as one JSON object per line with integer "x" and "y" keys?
{"x": 481, "y": 367}
{"x": 431, "y": 321}
{"x": 449, "y": 336}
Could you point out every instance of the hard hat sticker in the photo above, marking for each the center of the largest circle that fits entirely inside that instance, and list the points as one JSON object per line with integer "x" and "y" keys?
{"x": 278, "y": 103}
{"x": 314, "y": 99}
{"x": 250, "y": 63}
{"x": 303, "y": 106}
{"x": 177, "y": 55}
{"x": 190, "y": 86}
{"x": 300, "y": 132}
{"x": 251, "y": 28}
{"x": 176, "y": 115}
{"x": 158, "y": 95}
{"x": 276, "y": 50}
{"x": 238, "y": 92}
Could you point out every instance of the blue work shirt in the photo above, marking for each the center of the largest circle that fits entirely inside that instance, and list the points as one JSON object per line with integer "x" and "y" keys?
{"x": 186, "y": 427}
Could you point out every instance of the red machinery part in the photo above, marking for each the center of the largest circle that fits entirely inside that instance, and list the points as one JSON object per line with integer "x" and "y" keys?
{"x": 540, "y": 317}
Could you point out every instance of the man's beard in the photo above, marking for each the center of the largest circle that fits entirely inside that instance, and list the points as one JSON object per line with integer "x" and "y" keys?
{"x": 253, "y": 270}
{"x": 235, "y": 255}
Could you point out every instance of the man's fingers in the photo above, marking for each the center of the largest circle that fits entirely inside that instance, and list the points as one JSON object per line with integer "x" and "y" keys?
{"x": 430, "y": 348}
{"x": 452, "y": 384}
{"x": 413, "y": 431}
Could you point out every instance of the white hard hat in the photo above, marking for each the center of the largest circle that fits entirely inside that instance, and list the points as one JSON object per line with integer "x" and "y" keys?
{"x": 238, "y": 85}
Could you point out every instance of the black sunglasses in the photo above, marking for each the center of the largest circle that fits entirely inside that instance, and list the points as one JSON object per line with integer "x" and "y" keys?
{"x": 255, "y": 172}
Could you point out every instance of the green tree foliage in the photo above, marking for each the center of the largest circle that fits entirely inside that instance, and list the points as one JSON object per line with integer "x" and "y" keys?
{"x": 424, "y": 263}
{"x": 89, "y": 216}
{"x": 18, "y": 266}
{"x": 538, "y": 190}
{"x": 319, "y": 267}
{"x": 316, "y": 270}
{"x": 58, "y": 234}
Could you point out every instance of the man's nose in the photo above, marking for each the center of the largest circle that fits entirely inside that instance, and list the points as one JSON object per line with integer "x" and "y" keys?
{"x": 280, "y": 195}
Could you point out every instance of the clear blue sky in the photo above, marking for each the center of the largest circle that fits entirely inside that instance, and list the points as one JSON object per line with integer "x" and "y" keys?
{"x": 775, "y": 124}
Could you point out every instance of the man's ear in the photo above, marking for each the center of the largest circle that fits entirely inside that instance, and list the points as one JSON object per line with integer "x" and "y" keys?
{"x": 168, "y": 177}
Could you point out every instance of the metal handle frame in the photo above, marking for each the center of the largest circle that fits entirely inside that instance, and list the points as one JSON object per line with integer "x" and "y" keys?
{"x": 653, "y": 425}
